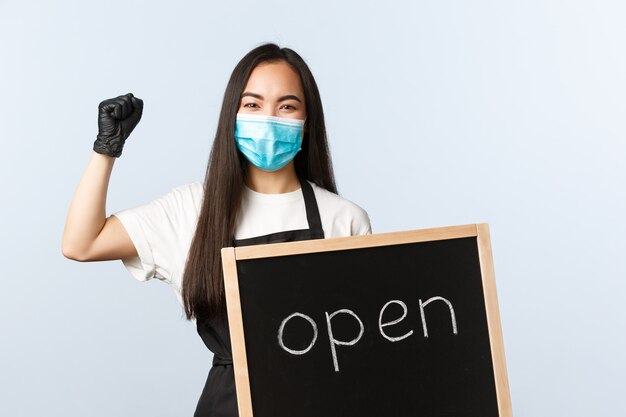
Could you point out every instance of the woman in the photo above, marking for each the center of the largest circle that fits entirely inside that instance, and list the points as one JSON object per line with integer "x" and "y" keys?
{"x": 269, "y": 179}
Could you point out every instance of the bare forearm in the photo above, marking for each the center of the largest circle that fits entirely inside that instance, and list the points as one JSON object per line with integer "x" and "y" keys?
{"x": 87, "y": 212}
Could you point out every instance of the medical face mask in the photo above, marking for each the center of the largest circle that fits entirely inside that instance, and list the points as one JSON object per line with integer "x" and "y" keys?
{"x": 268, "y": 142}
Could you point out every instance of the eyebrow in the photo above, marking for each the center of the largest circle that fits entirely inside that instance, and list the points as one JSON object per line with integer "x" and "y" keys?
{"x": 283, "y": 98}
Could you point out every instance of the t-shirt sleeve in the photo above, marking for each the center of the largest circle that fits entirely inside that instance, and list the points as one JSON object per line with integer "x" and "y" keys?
{"x": 361, "y": 224}
{"x": 154, "y": 230}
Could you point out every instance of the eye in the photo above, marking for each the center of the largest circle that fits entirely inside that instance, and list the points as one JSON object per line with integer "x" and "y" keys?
{"x": 249, "y": 104}
{"x": 289, "y": 105}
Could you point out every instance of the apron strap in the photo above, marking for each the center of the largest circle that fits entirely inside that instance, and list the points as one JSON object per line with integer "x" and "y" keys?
{"x": 312, "y": 211}
{"x": 219, "y": 361}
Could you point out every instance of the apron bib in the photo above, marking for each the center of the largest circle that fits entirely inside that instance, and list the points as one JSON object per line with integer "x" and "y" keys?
{"x": 219, "y": 398}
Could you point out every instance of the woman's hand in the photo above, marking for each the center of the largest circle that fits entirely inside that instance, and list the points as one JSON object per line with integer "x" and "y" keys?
{"x": 117, "y": 117}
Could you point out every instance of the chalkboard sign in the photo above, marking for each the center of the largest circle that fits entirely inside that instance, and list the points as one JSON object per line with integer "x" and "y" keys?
{"x": 390, "y": 324}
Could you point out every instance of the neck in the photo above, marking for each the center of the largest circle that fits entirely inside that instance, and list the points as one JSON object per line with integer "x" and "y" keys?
{"x": 280, "y": 181}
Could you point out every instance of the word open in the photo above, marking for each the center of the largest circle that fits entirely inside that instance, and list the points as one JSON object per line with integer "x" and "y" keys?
{"x": 334, "y": 342}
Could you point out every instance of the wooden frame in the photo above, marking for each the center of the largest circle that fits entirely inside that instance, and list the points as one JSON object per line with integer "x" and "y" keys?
{"x": 231, "y": 255}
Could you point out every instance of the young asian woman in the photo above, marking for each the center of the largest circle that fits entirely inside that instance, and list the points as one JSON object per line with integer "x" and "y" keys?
{"x": 269, "y": 179}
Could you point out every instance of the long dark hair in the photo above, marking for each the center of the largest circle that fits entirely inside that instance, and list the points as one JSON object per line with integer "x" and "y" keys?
{"x": 203, "y": 288}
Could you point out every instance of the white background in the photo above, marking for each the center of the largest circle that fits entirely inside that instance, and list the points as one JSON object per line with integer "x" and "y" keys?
{"x": 439, "y": 113}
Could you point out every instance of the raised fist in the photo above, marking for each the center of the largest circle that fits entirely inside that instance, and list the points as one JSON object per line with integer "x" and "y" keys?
{"x": 117, "y": 117}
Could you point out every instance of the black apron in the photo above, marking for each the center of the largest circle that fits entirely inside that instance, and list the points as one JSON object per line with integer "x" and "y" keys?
{"x": 219, "y": 398}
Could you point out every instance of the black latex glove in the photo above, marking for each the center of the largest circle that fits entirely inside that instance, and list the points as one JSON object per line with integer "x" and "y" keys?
{"x": 117, "y": 117}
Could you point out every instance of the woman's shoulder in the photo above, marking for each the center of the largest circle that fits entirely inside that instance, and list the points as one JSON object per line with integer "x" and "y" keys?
{"x": 190, "y": 192}
{"x": 193, "y": 187}
{"x": 337, "y": 209}
{"x": 335, "y": 200}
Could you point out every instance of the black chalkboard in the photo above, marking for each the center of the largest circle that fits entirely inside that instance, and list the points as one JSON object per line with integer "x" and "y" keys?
{"x": 384, "y": 324}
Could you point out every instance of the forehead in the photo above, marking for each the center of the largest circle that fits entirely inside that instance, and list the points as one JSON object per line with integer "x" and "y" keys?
{"x": 275, "y": 78}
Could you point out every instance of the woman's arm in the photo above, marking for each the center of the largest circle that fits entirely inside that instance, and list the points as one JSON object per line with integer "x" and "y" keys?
{"x": 88, "y": 234}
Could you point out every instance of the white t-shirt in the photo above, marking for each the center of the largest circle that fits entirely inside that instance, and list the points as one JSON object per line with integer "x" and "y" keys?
{"x": 163, "y": 228}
